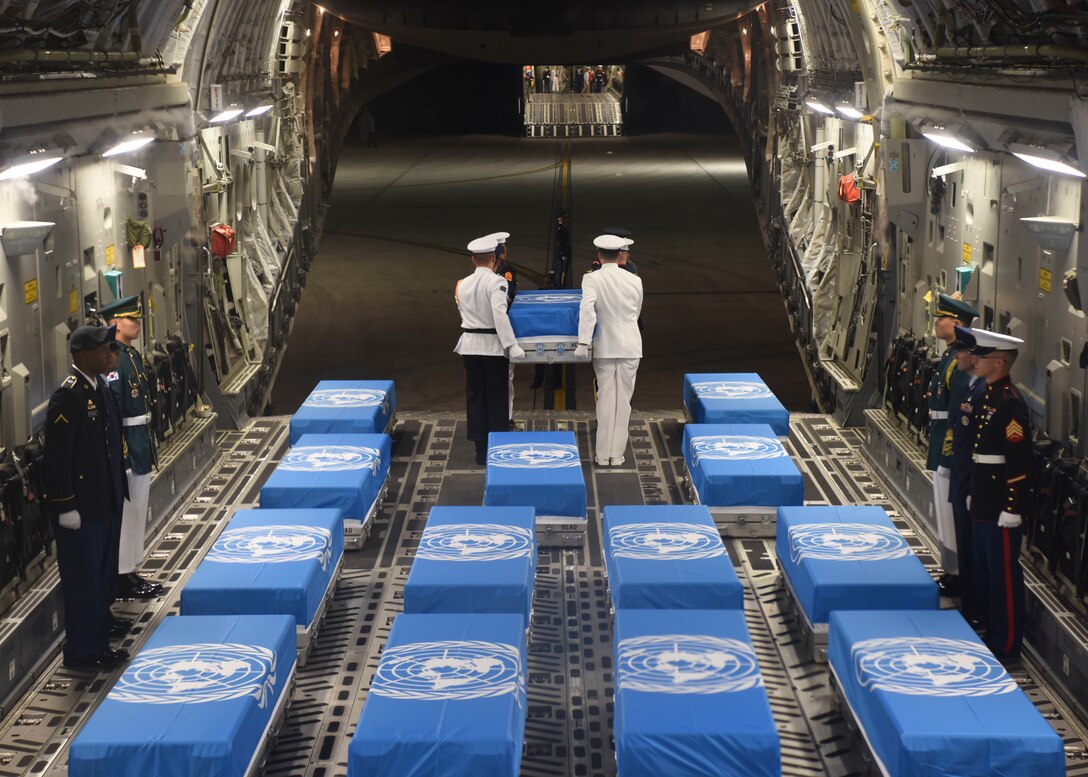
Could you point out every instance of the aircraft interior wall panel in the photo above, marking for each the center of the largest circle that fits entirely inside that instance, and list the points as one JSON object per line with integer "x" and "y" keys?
{"x": 1017, "y": 305}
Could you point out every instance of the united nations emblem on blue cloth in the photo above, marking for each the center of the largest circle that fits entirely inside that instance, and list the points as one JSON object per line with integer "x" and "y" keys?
{"x": 198, "y": 674}
{"x": 929, "y": 666}
{"x": 665, "y": 541}
{"x": 546, "y": 299}
{"x": 449, "y": 670}
{"x": 475, "y": 542}
{"x": 845, "y": 542}
{"x": 346, "y": 397}
{"x": 731, "y": 389}
{"x": 685, "y": 663}
{"x": 533, "y": 455}
{"x": 735, "y": 447}
{"x": 330, "y": 458}
{"x": 275, "y": 544}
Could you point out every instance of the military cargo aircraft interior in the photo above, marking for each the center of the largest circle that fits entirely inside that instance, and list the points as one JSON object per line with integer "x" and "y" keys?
{"x": 605, "y": 389}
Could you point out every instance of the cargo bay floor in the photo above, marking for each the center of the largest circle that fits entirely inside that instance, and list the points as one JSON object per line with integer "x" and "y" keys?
{"x": 570, "y": 700}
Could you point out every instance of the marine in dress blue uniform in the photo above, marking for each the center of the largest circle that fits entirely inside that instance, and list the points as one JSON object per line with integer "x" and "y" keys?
{"x": 958, "y": 448}
{"x": 999, "y": 493}
{"x": 129, "y": 385}
{"x": 84, "y": 494}
{"x": 947, "y": 382}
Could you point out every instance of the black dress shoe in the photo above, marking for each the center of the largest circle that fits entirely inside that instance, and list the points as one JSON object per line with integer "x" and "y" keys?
{"x": 119, "y": 654}
{"x": 132, "y": 586}
{"x": 949, "y": 586}
{"x": 98, "y": 663}
{"x": 147, "y": 585}
{"x": 119, "y": 628}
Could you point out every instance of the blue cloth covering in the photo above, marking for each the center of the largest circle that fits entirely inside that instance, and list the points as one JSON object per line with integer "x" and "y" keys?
{"x": 345, "y": 407}
{"x": 268, "y": 561}
{"x": 474, "y": 559}
{"x": 194, "y": 702}
{"x": 538, "y": 469}
{"x": 668, "y": 557}
{"x": 344, "y": 471}
{"x": 448, "y": 698}
{"x": 734, "y": 398}
{"x": 690, "y": 700}
{"x": 932, "y": 700}
{"x": 850, "y": 558}
{"x": 545, "y": 313}
{"x": 741, "y": 465}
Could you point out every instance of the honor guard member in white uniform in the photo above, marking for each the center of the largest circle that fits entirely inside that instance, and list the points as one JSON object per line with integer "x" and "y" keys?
{"x": 510, "y": 273}
{"x": 947, "y": 386}
{"x": 608, "y": 319}
{"x": 129, "y": 385}
{"x": 486, "y": 339}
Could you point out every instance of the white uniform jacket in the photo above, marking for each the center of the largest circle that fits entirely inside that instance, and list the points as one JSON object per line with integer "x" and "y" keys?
{"x": 482, "y": 302}
{"x": 611, "y": 302}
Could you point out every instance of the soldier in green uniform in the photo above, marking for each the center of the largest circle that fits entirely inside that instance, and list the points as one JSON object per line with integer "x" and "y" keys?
{"x": 129, "y": 385}
{"x": 945, "y": 391}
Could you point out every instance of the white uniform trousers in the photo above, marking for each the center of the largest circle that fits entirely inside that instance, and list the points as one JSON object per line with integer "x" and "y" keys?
{"x": 615, "y": 385}
{"x": 134, "y": 523}
{"x": 946, "y": 522}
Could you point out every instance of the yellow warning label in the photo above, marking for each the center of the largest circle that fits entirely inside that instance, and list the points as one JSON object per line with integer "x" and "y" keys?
{"x": 967, "y": 253}
{"x": 1046, "y": 280}
{"x": 30, "y": 291}
{"x": 73, "y": 302}
{"x": 111, "y": 256}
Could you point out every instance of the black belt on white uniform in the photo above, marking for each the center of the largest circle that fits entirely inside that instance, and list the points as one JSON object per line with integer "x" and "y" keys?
{"x": 479, "y": 331}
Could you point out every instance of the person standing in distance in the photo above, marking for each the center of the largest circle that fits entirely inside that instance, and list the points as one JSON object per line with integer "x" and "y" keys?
{"x": 608, "y": 318}
{"x": 948, "y": 385}
{"x": 85, "y": 489}
{"x": 1000, "y": 492}
{"x": 129, "y": 385}
{"x": 486, "y": 340}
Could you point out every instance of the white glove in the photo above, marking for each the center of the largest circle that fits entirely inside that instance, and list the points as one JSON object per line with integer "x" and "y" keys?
{"x": 968, "y": 502}
{"x": 1009, "y": 520}
{"x": 581, "y": 352}
{"x": 69, "y": 520}
{"x": 516, "y": 352}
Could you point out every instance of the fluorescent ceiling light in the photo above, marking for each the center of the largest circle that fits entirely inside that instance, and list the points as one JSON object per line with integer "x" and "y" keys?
{"x": 29, "y": 168}
{"x": 948, "y": 141}
{"x": 816, "y": 105}
{"x": 849, "y": 111}
{"x": 128, "y": 145}
{"x": 227, "y": 115}
{"x": 1046, "y": 163}
{"x": 260, "y": 110}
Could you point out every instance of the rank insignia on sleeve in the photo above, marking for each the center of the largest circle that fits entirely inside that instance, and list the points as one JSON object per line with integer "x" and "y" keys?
{"x": 502, "y": 288}
{"x": 1014, "y": 432}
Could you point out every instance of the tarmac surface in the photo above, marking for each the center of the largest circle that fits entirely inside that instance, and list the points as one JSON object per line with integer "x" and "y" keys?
{"x": 379, "y": 297}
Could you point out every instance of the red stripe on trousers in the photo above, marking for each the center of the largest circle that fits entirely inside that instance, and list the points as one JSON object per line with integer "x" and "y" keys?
{"x": 1008, "y": 590}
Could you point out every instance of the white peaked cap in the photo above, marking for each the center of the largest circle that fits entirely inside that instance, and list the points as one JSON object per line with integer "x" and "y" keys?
{"x": 500, "y": 236}
{"x": 611, "y": 242}
{"x": 995, "y": 341}
{"x": 483, "y": 245}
